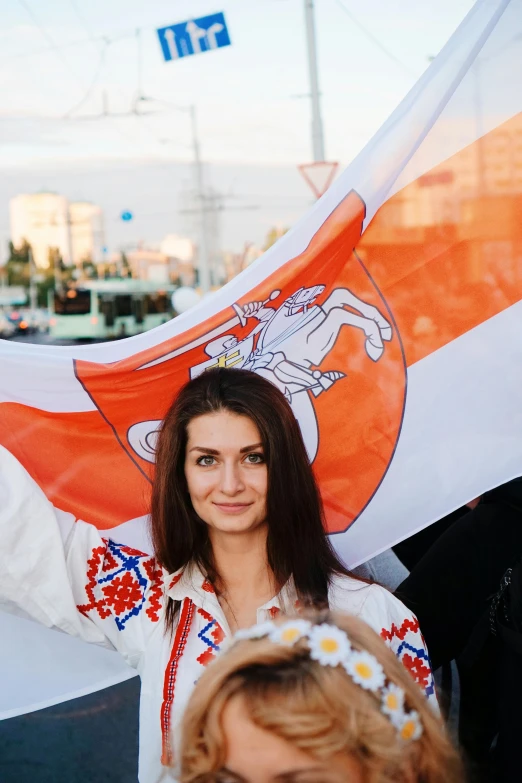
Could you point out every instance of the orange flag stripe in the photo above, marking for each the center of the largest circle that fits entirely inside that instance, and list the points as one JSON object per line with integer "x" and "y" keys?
{"x": 443, "y": 279}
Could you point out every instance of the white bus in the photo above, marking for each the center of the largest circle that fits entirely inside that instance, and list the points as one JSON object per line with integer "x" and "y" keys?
{"x": 106, "y": 309}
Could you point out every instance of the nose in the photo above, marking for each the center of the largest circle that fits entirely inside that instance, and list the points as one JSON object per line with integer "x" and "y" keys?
{"x": 231, "y": 479}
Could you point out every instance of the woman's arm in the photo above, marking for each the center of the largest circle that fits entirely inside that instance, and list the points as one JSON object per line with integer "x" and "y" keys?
{"x": 68, "y": 576}
{"x": 393, "y": 621}
{"x": 399, "y": 628}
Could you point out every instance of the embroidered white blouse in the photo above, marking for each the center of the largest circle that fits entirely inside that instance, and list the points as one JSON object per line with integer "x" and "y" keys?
{"x": 67, "y": 576}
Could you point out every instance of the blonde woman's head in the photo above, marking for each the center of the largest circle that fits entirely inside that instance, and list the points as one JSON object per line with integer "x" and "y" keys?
{"x": 268, "y": 712}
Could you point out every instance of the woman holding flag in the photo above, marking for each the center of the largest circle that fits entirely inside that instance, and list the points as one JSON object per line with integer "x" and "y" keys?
{"x": 238, "y": 538}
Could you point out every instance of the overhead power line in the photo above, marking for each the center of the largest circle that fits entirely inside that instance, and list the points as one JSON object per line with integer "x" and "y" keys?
{"x": 373, "y": 38}
{"x": 92, "y": 85}
{"x": 68, "y": 45}
{"x": 85, "y": 24}
{"x": 49, "y": 40}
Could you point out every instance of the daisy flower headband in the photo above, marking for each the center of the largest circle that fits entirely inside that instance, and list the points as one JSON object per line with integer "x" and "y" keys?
{"x": 330, "y": 646}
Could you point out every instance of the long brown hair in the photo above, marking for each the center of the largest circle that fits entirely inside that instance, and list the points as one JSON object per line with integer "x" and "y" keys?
{"x": 297, "y": 545}
{"x": 319, "y": 709}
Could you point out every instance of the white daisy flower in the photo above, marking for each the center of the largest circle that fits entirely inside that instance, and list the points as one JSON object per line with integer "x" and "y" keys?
{"x": 411, "y": 728}
{"x": 393, "y": 704}
{"x": 255, "y": 632}
{"x": 289, "y": 633}
{"x": 365, "y": 670}
{"x": 328, "y": 644}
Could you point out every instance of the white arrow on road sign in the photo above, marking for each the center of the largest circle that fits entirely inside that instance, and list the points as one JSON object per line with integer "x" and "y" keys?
{"x": 194, "y": 36}
{"x": 212, "y": 33}
{"x": 170, "y": 38}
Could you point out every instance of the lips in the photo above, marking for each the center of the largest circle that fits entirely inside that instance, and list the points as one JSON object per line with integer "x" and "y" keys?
{"x": 232, "y": 508}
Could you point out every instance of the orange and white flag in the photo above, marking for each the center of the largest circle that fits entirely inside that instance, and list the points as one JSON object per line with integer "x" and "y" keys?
{"x": 390, "y": 317}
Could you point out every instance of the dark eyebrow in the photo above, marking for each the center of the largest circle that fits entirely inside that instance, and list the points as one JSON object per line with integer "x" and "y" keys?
{"x": 215, "y": 452}
{"x": 250, "y": 448}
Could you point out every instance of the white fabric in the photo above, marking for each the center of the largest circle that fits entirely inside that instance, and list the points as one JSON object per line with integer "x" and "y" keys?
{"x": 102, "y": 593}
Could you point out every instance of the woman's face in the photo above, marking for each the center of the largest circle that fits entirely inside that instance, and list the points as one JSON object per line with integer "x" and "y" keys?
{"x": 254, "y": 755}
{"x": 226, "y": 472}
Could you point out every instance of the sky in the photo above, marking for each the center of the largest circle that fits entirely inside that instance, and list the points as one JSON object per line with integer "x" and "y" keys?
{"x": 62, "y": 61}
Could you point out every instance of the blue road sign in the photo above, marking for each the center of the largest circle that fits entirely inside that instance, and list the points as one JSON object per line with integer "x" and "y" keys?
{"x": 194, "y": 36}
{"x": 126, "y": 216}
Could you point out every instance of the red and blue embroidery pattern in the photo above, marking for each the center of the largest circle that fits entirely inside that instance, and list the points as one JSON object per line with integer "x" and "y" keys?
{"x": 169, "y": 684}
{"x": 414, "y": 658}
{"x": 212, "y": 635}
{"x": 128, "y": 582}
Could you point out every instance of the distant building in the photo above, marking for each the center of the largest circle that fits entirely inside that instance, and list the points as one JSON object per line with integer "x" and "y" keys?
{"x": 148, "y": 264}
{"x": 48, "y": 221}
{"x": 173, "y": 262}
{"x": 181, "y": 254}
{"x": 42, "y": 220}
{"x": 87, "y": 236}
{"x": 180, "y": 248}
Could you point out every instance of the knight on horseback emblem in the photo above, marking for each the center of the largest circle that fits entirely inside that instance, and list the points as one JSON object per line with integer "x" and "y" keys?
{"x": 288, "y": 344}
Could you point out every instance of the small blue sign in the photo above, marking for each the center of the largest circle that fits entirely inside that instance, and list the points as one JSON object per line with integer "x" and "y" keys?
{"x": 126, "y": 216}
{"x": 194, "y": 37}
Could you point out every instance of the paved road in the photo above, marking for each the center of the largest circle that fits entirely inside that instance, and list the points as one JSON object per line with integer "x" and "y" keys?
{"x": 89, "y": 740}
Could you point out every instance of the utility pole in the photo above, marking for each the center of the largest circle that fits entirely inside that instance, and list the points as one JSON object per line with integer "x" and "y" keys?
{"x": 204, "y": 266}
{"x": 317, "y": 123}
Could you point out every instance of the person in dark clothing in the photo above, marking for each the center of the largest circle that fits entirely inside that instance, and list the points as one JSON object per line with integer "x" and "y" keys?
{"x": 450, "y": 589}
{"x": 412, "y": 549}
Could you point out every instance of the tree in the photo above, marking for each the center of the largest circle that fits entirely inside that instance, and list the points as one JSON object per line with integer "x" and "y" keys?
{"x": 89, "y": 269}
{"x": 273, "y": 235}
{"x": 126, "y": 270}
{"x": 17, "y": 266}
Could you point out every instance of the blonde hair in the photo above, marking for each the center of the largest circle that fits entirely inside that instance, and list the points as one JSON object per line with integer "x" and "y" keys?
{"x": 318, "y": 709}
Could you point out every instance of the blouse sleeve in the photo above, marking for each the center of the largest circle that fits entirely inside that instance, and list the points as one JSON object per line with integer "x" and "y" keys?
{"x": 65, "y": 575}
{"x": 400, "y": 630}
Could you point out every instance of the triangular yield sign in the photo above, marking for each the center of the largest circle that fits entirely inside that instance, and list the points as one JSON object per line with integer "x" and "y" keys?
{"x": 319, "y": 175}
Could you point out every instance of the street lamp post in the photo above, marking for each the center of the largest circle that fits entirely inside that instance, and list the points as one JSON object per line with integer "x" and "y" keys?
{"x": 317, "y": 123}
{"x": 204, "y": 267}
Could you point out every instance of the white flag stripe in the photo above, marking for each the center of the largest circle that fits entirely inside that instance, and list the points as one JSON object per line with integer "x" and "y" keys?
{"x": 40, "y": 381}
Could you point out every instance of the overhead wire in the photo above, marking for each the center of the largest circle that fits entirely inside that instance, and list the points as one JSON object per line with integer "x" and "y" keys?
{"x": 374, "y": 39}
{"x": 68, "y": 45}
{"x": 85, "y": 24}
{"x": 103, "y": 42}
{"x": 56, "y": 49}
{"x": 91, "y": 86}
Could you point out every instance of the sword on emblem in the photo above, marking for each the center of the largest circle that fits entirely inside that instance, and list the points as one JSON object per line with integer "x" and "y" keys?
{"x": 240, "y": 312}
